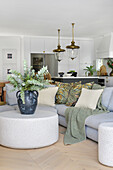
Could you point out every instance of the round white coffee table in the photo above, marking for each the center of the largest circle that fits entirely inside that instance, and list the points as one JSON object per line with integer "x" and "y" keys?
{"x": 28, "y": 131}
{"x": 105, "y": 143}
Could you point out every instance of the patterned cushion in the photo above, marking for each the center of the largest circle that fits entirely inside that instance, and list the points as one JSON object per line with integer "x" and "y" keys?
{"x": 88, "y": 85}
{"x": 75, "y": 92}
{"x": 57, "y": 83}
{"x": 63, "y": 92}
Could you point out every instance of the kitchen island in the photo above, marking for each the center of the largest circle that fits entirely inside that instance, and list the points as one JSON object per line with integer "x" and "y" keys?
{"x": 83, "y": 80}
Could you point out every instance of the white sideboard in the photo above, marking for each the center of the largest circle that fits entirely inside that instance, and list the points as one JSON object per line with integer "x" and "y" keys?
{"x": 108, "y": 81}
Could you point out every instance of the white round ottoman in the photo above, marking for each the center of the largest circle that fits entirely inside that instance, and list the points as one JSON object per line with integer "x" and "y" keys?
{"x": 105, "y": 143}
{"x": 28, "y": 131}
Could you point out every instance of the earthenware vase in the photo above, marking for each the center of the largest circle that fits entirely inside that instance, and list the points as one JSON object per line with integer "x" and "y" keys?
{"x": 30, "y": 102}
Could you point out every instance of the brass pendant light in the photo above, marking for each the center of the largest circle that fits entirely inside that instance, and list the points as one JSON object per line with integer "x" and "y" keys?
{"x": 72, "y": 49}
{"x": 58, "y": 51}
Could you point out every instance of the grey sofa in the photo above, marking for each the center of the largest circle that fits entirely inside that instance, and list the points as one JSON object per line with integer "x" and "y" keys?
{"x": 91, "y": 123}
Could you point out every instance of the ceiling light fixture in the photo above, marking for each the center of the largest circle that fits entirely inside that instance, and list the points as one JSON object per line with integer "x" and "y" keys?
{"x": 72, "y": 49}
{"x": 58, "y": 51}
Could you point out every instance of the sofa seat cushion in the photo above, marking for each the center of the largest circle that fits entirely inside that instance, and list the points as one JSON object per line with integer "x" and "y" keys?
{"x": 93, "y": 121}
{"x": 46, "y": 108}
{"x": 6, "y": 107}
{"x": 61, "y": 109}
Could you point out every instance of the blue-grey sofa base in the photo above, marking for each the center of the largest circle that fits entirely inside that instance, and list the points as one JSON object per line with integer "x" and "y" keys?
{"x": 92, "y": 122}
{"x": 90, "y": 132}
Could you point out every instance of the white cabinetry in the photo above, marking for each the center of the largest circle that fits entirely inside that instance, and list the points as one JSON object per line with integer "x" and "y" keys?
{"x": 87, "y": 51}
{"x": 67, "y": 63}
{"x": 109, "y": 82}
{"x": 64, "y": 65}
{"x": 37, "y": 45}
{"x": 47, "y": 44}
{"x": 104, "y": 46}
{"x": 50, "y": 44}
{"x": 86, "y": 55}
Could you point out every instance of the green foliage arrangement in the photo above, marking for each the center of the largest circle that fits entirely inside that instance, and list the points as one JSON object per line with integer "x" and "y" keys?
{"x": 72, "y": 71}
{"x": 29, "y": 80}
{"x": 110, "y": 63}
{"x": 90, "y": 70}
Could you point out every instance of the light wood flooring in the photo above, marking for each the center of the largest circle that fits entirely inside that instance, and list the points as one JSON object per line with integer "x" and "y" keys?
{"x": 81, "y": 156}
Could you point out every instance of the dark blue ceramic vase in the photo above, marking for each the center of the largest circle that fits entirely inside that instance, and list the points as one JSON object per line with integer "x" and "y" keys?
{"x": 30, "y": 102}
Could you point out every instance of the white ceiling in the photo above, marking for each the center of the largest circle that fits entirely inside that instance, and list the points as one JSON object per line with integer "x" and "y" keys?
{"x": 44, "y": 17}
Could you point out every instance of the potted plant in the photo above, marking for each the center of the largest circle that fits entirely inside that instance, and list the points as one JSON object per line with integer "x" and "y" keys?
{"x": 110, "y": 64}
{"x": 28, "y": 86}
{"x": 72, "y": 72}
{"x": 90, "y": 70}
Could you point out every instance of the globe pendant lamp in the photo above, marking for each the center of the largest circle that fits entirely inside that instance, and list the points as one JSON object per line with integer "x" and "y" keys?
{"x": 58, "y": 51}
{"x": 72, "y": 49}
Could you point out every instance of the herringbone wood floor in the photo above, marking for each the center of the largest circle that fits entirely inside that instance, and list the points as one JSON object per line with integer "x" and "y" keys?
{"x": 81, "y": 156}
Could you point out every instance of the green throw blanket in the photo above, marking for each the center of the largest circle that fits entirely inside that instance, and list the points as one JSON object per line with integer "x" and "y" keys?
{"x": 75, "y": 118}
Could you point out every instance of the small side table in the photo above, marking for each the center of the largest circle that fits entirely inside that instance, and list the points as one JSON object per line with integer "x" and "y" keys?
{"x": 105, "y": 143}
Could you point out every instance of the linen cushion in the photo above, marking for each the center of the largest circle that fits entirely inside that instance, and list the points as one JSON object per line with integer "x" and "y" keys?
{"x": 89, "y": 98}
{"x": 75, "y": 92}
{"x": 47, "y": 96}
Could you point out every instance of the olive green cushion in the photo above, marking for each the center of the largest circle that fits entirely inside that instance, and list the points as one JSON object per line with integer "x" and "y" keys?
{"x": 75, "y": 92}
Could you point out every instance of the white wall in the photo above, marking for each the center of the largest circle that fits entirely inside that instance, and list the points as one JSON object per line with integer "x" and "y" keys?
{"x": 9, "y": 44}
{"x": 24, "y": 46}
